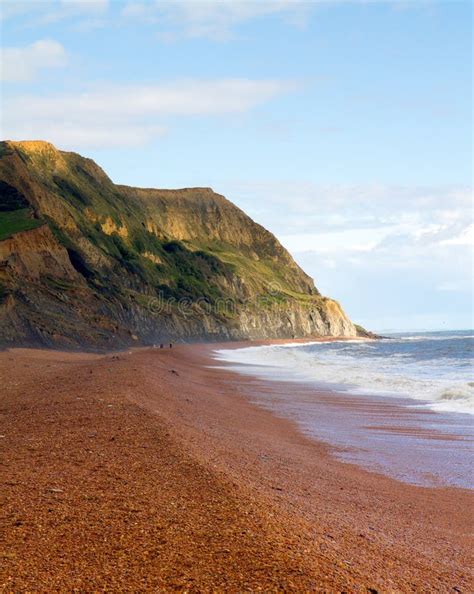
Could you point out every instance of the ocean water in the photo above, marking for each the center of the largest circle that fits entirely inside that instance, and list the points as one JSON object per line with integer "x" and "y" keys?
{"x": 402, "y": 406}
{"x": 435, "y": 370}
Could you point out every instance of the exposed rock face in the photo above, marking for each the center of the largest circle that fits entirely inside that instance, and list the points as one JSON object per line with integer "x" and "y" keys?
{"x": 36, "y": 253}
{"x": 84, "y": 262}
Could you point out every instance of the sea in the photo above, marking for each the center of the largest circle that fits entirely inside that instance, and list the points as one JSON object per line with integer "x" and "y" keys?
{"x": 403, "y": 406}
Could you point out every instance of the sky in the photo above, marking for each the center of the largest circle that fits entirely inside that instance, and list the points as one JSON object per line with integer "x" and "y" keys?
{"x": 345, "y": 128}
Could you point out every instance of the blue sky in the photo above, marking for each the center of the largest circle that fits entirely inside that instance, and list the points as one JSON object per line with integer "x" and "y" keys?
{"x": 343, "y": 127}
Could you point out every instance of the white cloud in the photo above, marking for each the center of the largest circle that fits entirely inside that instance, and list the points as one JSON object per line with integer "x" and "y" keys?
{"x": 450, "y": 287}
{"x": 431, "y": 213}
{"x": 135, "y": 113}
{"x": 22, "y": 64}
{"x": 49, "y": 11}
{"x": 351, "y": 240}
{"x": 95, "y": 6}
{"x": 212, "y": 19}
{"x": 381, "y": 250}
{"x": 75, "y": 135}
{"x": 464, "y": 237}
{"x": 218, "y": 20}
{"x": 185, "y": 97}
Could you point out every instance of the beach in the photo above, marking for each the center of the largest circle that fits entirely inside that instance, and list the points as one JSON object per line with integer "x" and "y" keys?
{"x": 152, "y": 469}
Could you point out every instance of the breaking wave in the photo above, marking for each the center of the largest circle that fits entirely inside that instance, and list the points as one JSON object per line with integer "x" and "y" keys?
{"x": 433, "y": 370}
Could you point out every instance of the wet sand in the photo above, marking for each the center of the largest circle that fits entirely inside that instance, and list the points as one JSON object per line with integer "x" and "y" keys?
{"x": 151, "y": 470}
{"x": 395, "y": 435}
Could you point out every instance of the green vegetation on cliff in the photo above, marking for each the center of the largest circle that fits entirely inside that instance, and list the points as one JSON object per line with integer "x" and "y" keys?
{"x": 15, "y": 212}
{"x": 14, "y": 221}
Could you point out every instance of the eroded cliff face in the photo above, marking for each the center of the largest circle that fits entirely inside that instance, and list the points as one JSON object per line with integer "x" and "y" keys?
{"x": 34, "y": 254}
{"x": 86, "y": 263}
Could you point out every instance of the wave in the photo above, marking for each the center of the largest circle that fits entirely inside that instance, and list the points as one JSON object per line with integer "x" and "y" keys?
{"x": 431, "y": 337}
{"x": 454, "y": 337}
{"x": 455, "y": 400}
{"x": 293, "y": 345}
{"x": 441, "y": 384}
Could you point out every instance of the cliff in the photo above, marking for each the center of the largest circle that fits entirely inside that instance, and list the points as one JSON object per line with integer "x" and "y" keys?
{"x": 85, "y": 262}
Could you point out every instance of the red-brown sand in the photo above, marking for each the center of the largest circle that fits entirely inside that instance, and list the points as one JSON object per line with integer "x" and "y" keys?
{"x": 153, "y": 472}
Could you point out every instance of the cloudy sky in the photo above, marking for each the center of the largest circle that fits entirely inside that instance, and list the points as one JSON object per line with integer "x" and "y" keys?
{"x": 343, "y": 127}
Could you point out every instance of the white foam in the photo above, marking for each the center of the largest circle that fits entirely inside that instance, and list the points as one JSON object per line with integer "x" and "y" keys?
{"x": 394, "y": 375}
{"x": 427, "y": 337}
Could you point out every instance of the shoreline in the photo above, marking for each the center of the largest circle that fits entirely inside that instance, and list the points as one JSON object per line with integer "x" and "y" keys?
{"x": 136, "y": 347}
{"x": 347, "y": 420}
{"x": 153, "y": 470}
